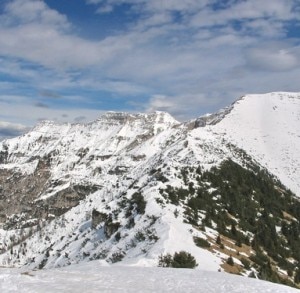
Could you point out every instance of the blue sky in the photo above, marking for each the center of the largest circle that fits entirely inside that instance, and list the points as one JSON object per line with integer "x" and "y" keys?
{"x": 71, "y": 60}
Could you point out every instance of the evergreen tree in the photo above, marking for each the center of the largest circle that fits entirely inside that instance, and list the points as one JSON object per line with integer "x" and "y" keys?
{"x": 165, "y": 261}
{"x": 184, "y": 259}
{"x": 297, "y": 276}
{"x": 230, "y": 261}
{"x": 233, "y": 229}
{"x": 180, "y": 259}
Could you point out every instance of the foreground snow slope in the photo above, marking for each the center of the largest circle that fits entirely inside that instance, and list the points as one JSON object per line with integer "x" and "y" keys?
{"x": 93, "y": 277}
{"x": 267, "y": 127}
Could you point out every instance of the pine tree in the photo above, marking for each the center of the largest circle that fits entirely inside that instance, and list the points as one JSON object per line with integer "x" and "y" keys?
{"x": 230, "y": 261}
{"x": 297, "y": 276}
{"x": 184, "y": 259}
{"x": 180, "y": 259}
{"x": 218, "y": 240}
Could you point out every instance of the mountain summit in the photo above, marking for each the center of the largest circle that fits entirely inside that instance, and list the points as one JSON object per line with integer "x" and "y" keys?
{"x": 136, "y": 188}
{"x": 267, "y": 127}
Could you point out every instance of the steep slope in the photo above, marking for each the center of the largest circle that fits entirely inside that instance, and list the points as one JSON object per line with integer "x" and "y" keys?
{"x": 54, "y": 166}
{"x": 93, "y": 173}
{"x": 132, "y": 188}
{"x": 267, "y": 127}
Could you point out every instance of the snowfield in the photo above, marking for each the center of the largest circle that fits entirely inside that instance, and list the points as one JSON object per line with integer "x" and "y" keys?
{"x": 267, "y": 127}
{"x": 94, "y": 277}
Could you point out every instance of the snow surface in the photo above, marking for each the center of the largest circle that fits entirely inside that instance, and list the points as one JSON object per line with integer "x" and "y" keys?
{"x": 267, "y": 127}
{"x": 94, "y": 277}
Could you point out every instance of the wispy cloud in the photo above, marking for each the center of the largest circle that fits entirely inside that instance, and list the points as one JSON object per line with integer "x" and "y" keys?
{"x": 41, "y": 105}
{"x": 18, "y": 12}
{"x": 186, "y": 57}
{"x": 8, "y": 130}
{"x": 273, "y": 57}
{"x": 49, "y": 94}
{"x": 21, "y": 110}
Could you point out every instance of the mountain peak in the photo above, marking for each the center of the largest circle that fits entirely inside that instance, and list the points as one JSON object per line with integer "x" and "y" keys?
{"x": 268, "y": 125}
{"x": 132, "y": 187}
{"x": 123, "y": 117}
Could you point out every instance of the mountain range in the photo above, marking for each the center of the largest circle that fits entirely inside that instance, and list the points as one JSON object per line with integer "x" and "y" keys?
{"x": 135, "y": 188}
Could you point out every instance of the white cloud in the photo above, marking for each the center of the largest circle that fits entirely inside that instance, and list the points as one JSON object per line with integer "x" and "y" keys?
{"x": 20, "y": 110}
{"x": 46, "y": 46}
{"x": 105, "y": 9}
{"x": 272, "y": 59}
{"x": 13, "y": 126}
{"x": 27, "y": 11}
{"x": 172, "y": 52}
{"x": 155, "y": 6}
{"x": 274, "y": 12}
{"x": 176, "y": 5}
{"x": 181, "y": 106}
{"x": 94, "y": 1}
{"x": 38, "y": 34}
{"x": 265, "y": 28}
{"x": 8, "y": 129}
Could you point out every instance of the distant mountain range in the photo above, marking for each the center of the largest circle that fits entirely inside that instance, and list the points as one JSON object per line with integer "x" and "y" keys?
{"x": 132, "y": 188}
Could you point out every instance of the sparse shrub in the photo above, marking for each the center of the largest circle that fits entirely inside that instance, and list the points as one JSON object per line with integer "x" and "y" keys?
{"x": 267, "y": 273}
{"x": 151, "y": 235}
{"x": 139, "y": 236}
{"x": 152, "y": 219}
{"x": 117, "y": 256}
{"x": 252, "y": 275}
{"x": 130, "y": 223}
{"x": 110, "y": 227}
{"x": 238, "y": 243}
{"x": 176, "y": 213}
{"x": 297, "y": 276}
{"x": 165, "y": 261}
{"x": 140, "y": 202}
{"x": 159, "y": 201}
{"x": 180, "y": 259}
{"x": 201, "y": 242}
{"x": 246, "y": 263}
{"x": 118, "y": 236}
{"x": 160, "y": 177}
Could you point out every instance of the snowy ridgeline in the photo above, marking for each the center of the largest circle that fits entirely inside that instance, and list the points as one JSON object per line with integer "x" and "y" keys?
{"x": 110, "y": 190}
{"x": 93, "y": 277}
{"x": 267, "y": 127}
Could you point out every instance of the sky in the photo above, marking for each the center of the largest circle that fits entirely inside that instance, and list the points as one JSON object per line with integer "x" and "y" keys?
{"x": 72, "y": 60}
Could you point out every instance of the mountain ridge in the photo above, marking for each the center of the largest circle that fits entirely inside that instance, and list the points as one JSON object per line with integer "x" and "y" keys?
{"x": 132, "y": 187}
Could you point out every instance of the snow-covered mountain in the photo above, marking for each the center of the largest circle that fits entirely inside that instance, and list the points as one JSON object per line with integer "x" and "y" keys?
{"x": 267, "y": 127}
{"x": 131, "y": 188}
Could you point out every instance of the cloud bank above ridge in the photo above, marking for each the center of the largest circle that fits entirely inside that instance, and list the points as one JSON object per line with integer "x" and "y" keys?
{"x": 184, "y": 57}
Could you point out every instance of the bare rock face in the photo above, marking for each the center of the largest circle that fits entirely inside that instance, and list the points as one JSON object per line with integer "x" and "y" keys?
{"x": 20, "y": 196}
{"x": 3, "y": 157}
{"x": 19, "y": 191}
{"x": 97, "y": 218}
